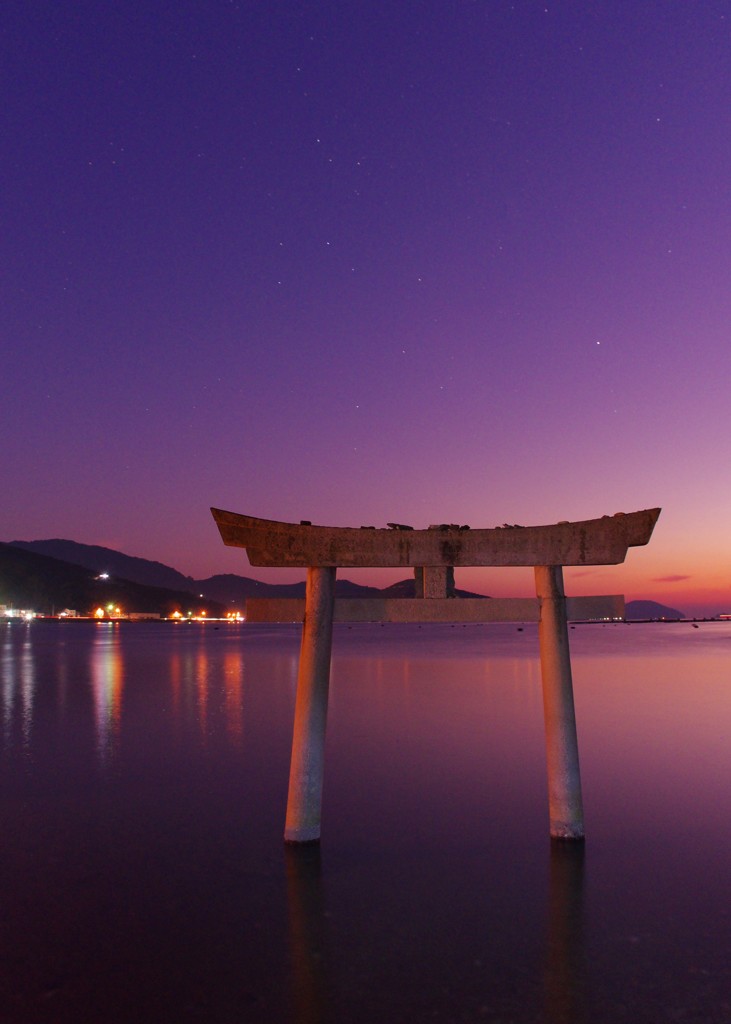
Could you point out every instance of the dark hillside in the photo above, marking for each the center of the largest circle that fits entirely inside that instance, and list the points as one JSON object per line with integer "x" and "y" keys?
{"x": 47, "y": 585}
{"x": 231, "y": 589}
{"x": 228, "y": 589}
{"x": 99, "y": 559}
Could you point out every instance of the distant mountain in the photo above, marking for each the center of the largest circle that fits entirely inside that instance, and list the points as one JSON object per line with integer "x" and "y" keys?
{"x": 650, "y": 610}
{"x": 45, "y": 584}
{"x": 98, "y": 559}
{"x": 226, "y": 588}
{"x": 407, "y": 588}
{"x": 62, "y": 573}
{"x": 231, "y": 589}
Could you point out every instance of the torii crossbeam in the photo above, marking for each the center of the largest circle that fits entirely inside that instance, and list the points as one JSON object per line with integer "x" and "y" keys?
{"x": 433, "y": 554}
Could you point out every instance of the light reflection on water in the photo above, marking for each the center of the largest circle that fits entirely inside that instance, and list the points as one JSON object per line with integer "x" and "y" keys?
{"x": 8, "y": 683}
{"x": 234, "y": 682}
{"x": 107, "y": 681}
{"x": 436, "y": 893}
{"x": 18, "y": 680}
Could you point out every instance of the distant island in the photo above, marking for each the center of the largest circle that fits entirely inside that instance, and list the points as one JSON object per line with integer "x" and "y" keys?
{"x": 650, "y": 610}
{"x": 50, "y": 576}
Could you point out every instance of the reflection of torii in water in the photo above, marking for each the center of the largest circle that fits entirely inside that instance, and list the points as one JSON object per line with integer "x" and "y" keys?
{"x": 433, "y": 554}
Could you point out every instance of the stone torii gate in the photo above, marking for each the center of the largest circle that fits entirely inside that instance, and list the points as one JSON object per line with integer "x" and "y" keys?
{"x": 433, "y": 554}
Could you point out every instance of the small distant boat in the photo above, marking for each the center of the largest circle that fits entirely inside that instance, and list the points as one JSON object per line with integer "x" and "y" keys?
{"x": 601, "y": 541}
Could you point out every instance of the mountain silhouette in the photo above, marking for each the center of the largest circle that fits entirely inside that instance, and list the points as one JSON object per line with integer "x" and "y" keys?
{"x": 228, "y": 589}
{"x": 47, "y": 574}
{"x": 29, "y": 579}
{"x": 650, "y": 610}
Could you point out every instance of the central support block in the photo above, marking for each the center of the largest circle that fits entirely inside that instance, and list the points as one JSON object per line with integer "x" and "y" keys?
{"x": 434, "y": 581}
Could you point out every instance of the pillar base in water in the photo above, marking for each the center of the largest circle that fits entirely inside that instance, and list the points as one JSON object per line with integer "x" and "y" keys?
{"x": 302, "y": 835}
{"x": 561, "y": 830}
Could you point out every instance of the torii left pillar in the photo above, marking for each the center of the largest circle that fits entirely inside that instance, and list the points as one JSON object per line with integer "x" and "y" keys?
{"x": 304, "y": 802}
{"x": 562, "y": 749}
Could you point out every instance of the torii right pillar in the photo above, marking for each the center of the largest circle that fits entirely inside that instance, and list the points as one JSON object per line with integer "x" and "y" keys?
{"x": 562, "y": 749}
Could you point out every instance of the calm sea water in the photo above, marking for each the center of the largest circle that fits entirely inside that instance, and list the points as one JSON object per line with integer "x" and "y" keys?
{"x": 144, "y": 876}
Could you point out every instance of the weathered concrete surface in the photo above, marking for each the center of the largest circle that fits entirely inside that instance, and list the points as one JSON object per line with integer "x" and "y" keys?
{"x": 590, "y": 542}
{"x": 434, "y": 581}
{"x": 433, "y": 554}
{"x": 304, "y": 800}
{"x": 562, "y": 749}
{"x": 468, "y": 609}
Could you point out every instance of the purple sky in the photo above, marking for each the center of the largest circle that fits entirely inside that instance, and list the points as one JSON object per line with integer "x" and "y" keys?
{"x": 356, "y": 262}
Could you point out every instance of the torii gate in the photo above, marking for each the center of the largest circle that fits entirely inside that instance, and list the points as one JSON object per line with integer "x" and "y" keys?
{"x": 433, "y": 554}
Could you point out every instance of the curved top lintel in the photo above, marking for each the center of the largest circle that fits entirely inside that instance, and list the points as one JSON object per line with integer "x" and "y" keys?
{"x": 601, "y": 541}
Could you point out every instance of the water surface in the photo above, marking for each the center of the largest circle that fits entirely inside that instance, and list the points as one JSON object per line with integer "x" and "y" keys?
{"x": 144, "y": 778}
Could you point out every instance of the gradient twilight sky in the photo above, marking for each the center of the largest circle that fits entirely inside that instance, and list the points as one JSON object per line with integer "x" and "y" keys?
{"x": 426, "y": 261}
